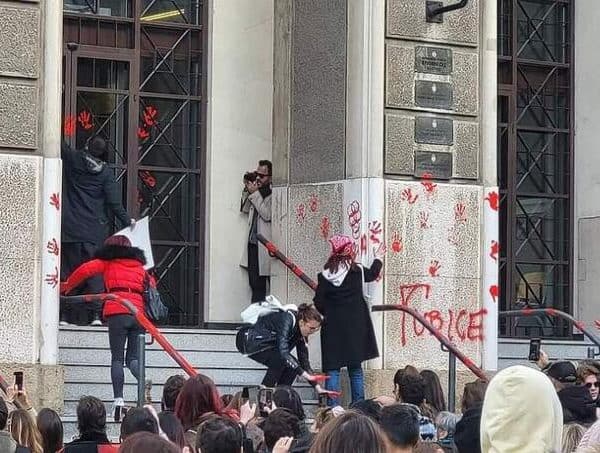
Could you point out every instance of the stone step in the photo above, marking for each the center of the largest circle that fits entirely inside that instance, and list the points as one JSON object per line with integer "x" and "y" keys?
{"x": 181, "y": 339}
{"x": 155, "y": 357}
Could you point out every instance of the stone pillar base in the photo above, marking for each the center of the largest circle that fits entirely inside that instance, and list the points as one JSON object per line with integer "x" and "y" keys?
{"x": 44, "y": 383}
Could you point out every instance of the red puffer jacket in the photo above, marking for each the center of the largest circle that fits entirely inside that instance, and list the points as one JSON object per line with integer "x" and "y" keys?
{"x": 123, "y": 272}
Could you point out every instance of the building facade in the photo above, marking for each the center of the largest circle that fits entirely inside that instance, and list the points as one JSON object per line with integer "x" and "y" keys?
{"x": 463, "y": 141}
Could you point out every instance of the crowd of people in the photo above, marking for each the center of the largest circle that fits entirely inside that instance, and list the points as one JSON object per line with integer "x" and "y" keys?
{"x": 549, "y": 410}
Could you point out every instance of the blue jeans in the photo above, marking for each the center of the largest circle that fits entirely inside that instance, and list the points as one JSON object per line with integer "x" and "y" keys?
{"x": 357, "y": 384}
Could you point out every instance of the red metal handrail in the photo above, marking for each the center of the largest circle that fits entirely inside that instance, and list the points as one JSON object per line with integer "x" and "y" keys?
{"x": 143, "y": 321}
{"x": 437, "y": 334}
{"x": 556, "y": 314}
{"x": 275, "y": 252}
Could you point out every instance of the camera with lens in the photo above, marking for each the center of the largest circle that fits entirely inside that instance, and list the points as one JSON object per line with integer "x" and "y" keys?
{"x": 250, "y": 176}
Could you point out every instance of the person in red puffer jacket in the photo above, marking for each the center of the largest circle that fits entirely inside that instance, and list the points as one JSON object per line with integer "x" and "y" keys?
{"x": 122, "y": 267}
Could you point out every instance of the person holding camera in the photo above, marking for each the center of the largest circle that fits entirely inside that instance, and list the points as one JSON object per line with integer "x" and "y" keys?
{"x": 256, "y": 202}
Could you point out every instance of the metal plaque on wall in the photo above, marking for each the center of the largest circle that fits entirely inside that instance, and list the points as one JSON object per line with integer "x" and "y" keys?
{"x": 434, "y": 131}
{"x": 433, "y": 165}
{"x": 434, "y": 95}
{"x": 433, "y": 60}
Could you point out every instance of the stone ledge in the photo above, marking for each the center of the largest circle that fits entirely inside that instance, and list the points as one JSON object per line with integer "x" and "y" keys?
{"x": 44, "y": 383}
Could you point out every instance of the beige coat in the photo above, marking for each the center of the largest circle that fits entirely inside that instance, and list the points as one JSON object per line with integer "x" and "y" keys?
{"x": 255, "y": 202}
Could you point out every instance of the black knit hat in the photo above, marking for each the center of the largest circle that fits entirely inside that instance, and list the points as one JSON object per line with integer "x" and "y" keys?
{"x": 563, "y": 371}
{"x": 578, "y": 405}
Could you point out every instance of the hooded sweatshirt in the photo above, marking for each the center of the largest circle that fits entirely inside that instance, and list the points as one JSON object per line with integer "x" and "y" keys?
{"x": 521, "y": 413}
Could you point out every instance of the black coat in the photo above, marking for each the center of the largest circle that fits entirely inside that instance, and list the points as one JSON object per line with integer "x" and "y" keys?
{"x": 347, "y": 335}
{"x": 90, "y": 195}
{"x": 466, "y": 437}
{"x": 278, "y": 332}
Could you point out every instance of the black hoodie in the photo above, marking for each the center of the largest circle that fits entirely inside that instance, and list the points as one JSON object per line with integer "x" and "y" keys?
{"x": 90, "y": 198}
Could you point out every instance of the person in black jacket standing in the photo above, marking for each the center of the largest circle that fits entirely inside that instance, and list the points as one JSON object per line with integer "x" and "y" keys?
{"x": 271, "y": 340}
{"x": 347, "y": 337}
{"x": 90, "y": 199}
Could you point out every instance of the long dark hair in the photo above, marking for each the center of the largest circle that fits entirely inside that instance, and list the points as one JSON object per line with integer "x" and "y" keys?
{"x": 335, "y": 261}
{"x": 308, "y": 312}
{"x": 199, "y": 396}
{"x": 51, "y": 429}
{"x": 434, "y": 395}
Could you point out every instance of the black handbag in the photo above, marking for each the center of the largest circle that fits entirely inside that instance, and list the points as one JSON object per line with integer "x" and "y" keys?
{"x": 153, "y": 305}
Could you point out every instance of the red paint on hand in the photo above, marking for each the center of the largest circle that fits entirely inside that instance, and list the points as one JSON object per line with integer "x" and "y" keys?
{"x": 148, "y": 178}
{"x": 318, "y": 378}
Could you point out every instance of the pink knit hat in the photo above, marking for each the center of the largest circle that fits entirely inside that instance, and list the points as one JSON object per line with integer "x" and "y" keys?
{"x": 341, "y": 245}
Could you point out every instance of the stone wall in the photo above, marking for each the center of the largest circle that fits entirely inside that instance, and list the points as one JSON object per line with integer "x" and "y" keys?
{"x": 22, "y": 119}
{"x": 20, "y": 179}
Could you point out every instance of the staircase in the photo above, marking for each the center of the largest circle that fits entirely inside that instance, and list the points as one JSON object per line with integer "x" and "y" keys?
{"x": 85, "y": 355}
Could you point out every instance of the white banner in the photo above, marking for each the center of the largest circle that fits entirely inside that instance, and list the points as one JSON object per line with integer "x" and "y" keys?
{"x": 139, "y": 236}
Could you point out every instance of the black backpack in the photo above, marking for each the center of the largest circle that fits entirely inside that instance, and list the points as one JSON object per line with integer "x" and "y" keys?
{"x": 153, "y": 305}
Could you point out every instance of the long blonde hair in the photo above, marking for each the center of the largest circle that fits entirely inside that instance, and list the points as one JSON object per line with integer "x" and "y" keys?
{"x": 24, "y": 431}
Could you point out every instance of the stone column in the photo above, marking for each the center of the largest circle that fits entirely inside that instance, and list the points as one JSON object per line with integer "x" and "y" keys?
{"x": 23, "y": 115}
{"x": 412, "y": 177}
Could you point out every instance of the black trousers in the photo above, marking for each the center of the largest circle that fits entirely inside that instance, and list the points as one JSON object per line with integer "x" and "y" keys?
{"x": 122, "y": 329}
{"x": 277, "y": 373}
{"x": 73, "y": 254}
{"x": 258, "y": 283}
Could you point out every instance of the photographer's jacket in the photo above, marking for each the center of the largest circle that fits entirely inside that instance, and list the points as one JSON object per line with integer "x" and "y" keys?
{"x": 258, "y": 208}
{"x": 277, "y": 332}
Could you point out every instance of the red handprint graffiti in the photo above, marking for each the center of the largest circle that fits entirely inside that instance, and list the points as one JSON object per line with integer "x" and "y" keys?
{"x": 408, "y": 195}
{"x": 429, "y": 186}
{"x": 148, "y": 178}
{"x": 55, "y": 201}
{"x": 493, "y": 199}
{"x": 494, "y": 292}
{"x": 354, "y": 217}
{"x": 313, "y": 203}
{"x": 69, "y": 125}
{"x": 300, "y": 213}
{"x": 424, "y": 220}
{"x": 149, "y": 116}
{"x": 52, "y": 247}
{"x": 434, "y": 268}
{"x": 325, "y": 227}
{"x": 375, "y": 231}
{"x": 494, "y": 250}
{"x": 597, "y": 324}
{"x": 143, "y": 133}
{"x": 52, "y": 278}
{"x": 85, "y": 120}
{"x": 460, "y": 213}
{"x": 397, "y": 245}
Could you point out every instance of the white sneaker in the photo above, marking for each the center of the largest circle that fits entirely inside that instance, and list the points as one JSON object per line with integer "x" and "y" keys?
{"x": 118, "y": 409}
{"x": 63, "y": 323}
{"x": 96, "y": 322}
